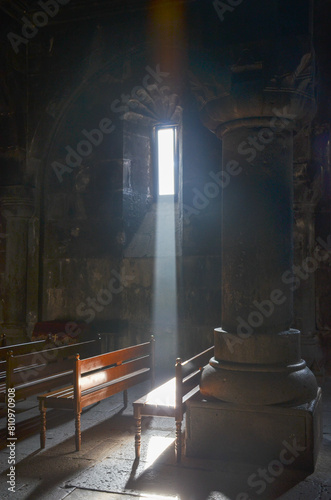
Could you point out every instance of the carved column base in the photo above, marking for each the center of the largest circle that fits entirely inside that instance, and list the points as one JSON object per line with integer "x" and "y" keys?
{"x": 274, "y": 437}
{"x": 261, "y": 369}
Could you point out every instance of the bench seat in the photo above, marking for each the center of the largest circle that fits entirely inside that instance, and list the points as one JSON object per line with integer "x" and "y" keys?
{"x": 161, "y": 401}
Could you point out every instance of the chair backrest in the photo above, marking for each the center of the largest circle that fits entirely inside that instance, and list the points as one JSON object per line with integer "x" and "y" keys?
{"x": 188, "y": 374}
{"x": 197, "y": 362}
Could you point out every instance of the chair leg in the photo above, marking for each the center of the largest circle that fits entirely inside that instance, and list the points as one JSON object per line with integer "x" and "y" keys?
{"x": 178, "y": 441}
{"x": 137, "y": 438}
{"x": 42, "y": 423}
{"x": 78, "y": 436}
{"x": 125, "y": 398}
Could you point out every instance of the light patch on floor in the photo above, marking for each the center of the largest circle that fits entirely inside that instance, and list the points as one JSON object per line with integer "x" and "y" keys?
{"x": 156, "y": 446}
{"x": 80, "y": 494}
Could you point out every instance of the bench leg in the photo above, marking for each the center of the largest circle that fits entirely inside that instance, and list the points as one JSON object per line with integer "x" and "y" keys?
{"x": 137, "y": 438}
{"x": 125, "y": 398}
{"x": 42, "y": 423}
{"x": 178, "y": 441}
{"x": 78, "y": 436}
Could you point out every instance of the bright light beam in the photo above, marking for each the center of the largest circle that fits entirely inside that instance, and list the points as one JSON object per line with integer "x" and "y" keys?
{"x": 165, "y": 273}
{"x": 165, "y": 284}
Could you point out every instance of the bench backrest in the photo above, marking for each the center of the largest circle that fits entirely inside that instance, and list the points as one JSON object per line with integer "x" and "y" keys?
{"x": 43, "y": 370}
{"x": 25, "y": 347}
{"x": 125, "y": 367}
{"x": 188, "y": 374}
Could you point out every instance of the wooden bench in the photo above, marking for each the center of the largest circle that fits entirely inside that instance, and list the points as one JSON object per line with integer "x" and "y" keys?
{"x": 40, "y": 371}
{"x": 98, "y": 378}
{"x": 169, "y": 399}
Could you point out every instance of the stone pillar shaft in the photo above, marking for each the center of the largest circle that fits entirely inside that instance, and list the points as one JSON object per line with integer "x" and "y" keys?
{"x": 257, "y": 229}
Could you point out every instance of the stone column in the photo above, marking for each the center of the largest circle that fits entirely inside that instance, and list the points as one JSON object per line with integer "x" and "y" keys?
{"x": 17, "y": 207}
{"x": 257, "y": 392}
{"x": 257, "y": 241}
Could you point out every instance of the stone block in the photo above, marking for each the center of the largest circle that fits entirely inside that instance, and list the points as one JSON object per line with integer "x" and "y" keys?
{"x": 285, "y": 437}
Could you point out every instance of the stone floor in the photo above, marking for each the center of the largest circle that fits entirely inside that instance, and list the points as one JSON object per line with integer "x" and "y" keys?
{"x": 104, "y": 469}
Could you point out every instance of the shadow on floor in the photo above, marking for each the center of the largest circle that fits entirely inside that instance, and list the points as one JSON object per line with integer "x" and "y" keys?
{"x": 201, "y": 480}
{"x": 44, "y": 471}
{"x": 31, "y": 425}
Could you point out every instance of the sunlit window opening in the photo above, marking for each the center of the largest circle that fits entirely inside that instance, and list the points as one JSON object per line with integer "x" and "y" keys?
{"x": 166, "y": 160}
